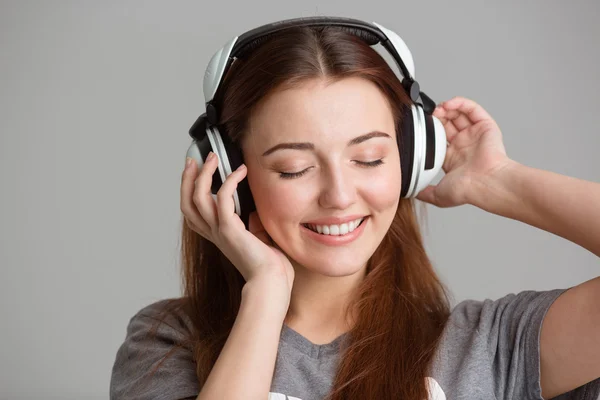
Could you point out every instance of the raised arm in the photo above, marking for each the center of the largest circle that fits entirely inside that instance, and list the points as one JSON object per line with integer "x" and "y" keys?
{"x": 245, "y": 367}
{"x": 478, "y": 172}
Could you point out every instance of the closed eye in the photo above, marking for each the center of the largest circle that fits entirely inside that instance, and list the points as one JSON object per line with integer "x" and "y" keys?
{"x": 365, "y": 164}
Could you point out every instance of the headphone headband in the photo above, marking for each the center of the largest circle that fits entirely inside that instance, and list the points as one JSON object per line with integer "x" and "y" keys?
{"x": 371, "y": 33}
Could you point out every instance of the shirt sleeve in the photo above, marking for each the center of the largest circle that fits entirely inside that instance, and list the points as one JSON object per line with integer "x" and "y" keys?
{"x": 141, "y": 353}
{"x": 513, "y": 325}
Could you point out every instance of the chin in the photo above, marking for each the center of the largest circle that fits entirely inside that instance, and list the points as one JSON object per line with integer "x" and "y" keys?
{"x": 332, "y": 269}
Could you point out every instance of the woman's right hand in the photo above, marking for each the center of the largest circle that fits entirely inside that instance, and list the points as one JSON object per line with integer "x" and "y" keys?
{"x": 252, "y": 252}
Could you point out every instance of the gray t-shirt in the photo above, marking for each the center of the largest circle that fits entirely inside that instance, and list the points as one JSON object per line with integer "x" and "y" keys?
{"x": 489, "y": 350}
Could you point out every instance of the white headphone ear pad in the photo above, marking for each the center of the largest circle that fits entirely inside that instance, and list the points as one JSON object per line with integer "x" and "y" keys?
{"x": 440, "y": 144}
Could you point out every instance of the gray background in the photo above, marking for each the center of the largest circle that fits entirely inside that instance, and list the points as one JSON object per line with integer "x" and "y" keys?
{"x": 96, "y": 99}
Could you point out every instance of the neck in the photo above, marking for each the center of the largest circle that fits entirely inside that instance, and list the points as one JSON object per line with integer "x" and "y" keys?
{"x": 318, "y": 303}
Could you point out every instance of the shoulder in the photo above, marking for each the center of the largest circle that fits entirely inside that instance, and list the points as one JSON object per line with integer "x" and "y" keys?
{"x": 166, "y": 317}
{"x": 157, "y": 308}
{"x": 494, "y": 343}
{"x": 507, "y": 327}
{"x": 482, "y": 315}
{"x": 159, "y": 337}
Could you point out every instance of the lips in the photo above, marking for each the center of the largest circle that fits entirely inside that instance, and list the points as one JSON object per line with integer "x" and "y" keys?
{"x": 335, "y": 229}
{"x": 336, "y": 239}
{"x": 334, "y": 220}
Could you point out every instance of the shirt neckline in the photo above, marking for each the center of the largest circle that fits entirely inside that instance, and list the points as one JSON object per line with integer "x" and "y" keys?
{"x": 301, "y": 343}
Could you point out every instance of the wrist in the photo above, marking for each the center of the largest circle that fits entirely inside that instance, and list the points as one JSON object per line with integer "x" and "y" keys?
{"x": 496, "y": 190}
{"x": 268, "y": 292}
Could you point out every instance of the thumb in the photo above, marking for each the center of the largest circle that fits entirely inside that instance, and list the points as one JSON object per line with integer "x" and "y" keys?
{"x": 428, "y": 195}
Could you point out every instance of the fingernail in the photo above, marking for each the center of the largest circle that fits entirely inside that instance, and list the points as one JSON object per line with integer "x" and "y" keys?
{"x": 210, "y": 156}
{"x": 241, "y": 167}
{"x": 188, "y": 161}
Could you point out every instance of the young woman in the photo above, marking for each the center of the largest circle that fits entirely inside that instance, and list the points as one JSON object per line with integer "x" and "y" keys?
{"x": 330, "y": 292}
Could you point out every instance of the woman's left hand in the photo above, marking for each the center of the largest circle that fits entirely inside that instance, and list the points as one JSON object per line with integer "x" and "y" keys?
{"x": 474, "y": 154}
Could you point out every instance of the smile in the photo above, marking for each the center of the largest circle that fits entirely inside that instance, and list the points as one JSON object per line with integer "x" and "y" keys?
{"x": 333, "y": 235}
{"x": 335, "y": 230}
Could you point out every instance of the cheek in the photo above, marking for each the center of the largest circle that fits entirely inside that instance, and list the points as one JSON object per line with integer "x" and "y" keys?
{"x": 382, "y": 190}
{"x": 278, "y": 201}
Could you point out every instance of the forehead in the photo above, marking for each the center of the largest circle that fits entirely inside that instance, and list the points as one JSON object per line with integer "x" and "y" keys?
{"x": 321, "y": 112}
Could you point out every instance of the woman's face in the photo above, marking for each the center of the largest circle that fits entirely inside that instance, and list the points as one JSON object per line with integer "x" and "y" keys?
{"x": 324, "y": 174}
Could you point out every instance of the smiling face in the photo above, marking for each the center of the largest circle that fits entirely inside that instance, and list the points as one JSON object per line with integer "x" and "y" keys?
{"x": 331, "y": 171}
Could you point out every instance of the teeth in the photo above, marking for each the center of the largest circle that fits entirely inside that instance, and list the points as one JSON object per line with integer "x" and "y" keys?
{"x": 335, "y": 230}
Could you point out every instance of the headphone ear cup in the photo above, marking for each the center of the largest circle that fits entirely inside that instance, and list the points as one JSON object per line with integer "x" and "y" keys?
{"x": 406, "y": 145}
{"x": 429, "y": 150}
{"x": 198, "y": 151}
{"x": 434, "y": 151}
{"x": 236, "y": 158}
{"x": 229, "y": 158}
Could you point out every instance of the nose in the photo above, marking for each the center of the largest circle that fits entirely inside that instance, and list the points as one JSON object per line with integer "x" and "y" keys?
{"x": 338, "y": 189}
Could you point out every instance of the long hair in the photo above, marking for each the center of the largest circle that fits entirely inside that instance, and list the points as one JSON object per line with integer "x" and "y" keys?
{"x": 402, "y": 306}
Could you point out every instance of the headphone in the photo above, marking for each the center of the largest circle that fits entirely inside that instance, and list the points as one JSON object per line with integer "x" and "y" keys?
{"x": 421, "y": 140}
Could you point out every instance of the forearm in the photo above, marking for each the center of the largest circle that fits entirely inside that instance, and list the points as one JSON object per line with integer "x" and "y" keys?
{"x": 563, "y": 205}
{"x": 246, "y": 364}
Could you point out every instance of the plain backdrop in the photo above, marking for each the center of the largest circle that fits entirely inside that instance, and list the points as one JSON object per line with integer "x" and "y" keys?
{"x": 96, "y": 99}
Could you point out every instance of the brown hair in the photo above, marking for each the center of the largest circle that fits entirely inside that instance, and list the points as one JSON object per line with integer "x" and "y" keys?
{"x": 402, "y": 305}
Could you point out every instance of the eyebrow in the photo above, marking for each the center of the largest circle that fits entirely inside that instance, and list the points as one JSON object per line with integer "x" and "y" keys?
{"x": 310, "y": 146}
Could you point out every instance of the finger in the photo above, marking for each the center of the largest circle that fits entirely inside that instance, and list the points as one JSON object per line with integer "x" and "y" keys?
{"x": 225, "y": 204}
{"x": 441, "y": 114}
{"x": 189, "y": 210}
{"x": 474, "y": 111}
{"x": 427, "y": 195}
{"x": 450, "y": 129}
{"x": 459, "y": 119}
{"x": 202, "y": 196}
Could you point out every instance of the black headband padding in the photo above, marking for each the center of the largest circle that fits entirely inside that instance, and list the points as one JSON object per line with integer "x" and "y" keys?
{"x": 371, "y": 34}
